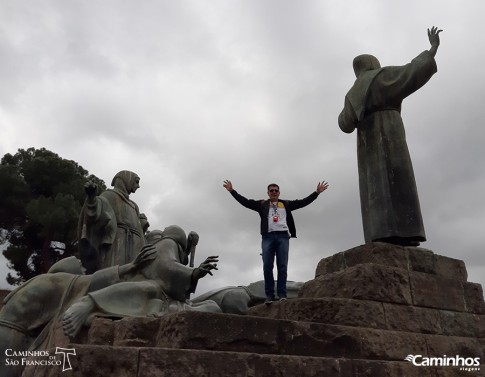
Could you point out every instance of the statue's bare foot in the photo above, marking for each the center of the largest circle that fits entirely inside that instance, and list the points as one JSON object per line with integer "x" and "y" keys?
{"x": 76, "y": 315}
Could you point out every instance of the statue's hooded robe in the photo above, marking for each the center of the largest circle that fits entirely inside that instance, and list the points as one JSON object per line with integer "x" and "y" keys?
{"x": 388, "y": 193}
{"x": 110, "y": 232}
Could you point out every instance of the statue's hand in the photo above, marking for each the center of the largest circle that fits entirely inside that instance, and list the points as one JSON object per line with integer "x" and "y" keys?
{"x": 205, "y": 267}
{"x": 90, "y": 188}
{"x": 147, "y": 253}
{"x": 434, "y": 36}
{"x": 193, "y": 238}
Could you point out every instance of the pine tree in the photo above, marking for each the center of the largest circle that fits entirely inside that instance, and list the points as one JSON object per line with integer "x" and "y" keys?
{"x": 41, "y": 195}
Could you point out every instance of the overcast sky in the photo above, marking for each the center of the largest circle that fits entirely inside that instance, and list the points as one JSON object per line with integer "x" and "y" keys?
{"x": 189, "y": 93}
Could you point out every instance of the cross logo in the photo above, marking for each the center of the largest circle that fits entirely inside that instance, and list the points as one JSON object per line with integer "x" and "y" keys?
{"x": 66, "y": 352}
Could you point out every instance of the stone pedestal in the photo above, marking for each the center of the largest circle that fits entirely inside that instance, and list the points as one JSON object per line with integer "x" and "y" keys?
{"x": 367, "y": 309}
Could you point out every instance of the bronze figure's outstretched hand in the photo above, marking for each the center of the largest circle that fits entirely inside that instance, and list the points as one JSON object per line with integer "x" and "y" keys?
{"x": 434, "y": 39}
{"x": 147, "y": 253}
{"x": 205, "y": 267}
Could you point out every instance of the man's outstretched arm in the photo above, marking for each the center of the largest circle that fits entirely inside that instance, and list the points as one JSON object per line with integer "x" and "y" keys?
{"x": 300, "y": 203}
{"x": 248, "y": 203}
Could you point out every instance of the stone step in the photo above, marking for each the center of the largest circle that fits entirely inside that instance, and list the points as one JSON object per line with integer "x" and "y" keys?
{"x": 233, "y": 333}
{"x": 407, "y": 258}
{"x": 373, "y": 314}
{"x": 377, "y": 282}
{"x": 102, "y": 361}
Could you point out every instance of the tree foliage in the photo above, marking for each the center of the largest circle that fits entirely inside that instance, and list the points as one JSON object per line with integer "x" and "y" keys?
{"x": 41, "y": 195}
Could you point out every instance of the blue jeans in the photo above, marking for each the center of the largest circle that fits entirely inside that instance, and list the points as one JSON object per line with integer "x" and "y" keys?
{"x": 275, "y": 244}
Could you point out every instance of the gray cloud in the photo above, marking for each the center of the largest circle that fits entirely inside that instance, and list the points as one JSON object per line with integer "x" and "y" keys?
{"x": 190, "y": 93}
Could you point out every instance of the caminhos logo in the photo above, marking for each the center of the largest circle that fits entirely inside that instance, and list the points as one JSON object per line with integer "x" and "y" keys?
{"x": 16, "y": 358}
{"x": 446, "y": 361}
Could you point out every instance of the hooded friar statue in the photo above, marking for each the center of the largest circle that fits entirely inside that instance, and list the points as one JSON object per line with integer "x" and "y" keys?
{"x": 388, "y": 194}
{"x": 110, "y": 231}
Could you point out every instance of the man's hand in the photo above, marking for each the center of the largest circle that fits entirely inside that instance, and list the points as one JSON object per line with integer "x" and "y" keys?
{"x": 321, "y": 187}
{"x": 434, "y": 39}
{"x": 205, "y": 268}
{"x": 228, "y": 185}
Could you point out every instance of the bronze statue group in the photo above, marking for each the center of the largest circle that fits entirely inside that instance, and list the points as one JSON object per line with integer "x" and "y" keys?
{"x": 135, "y": 272}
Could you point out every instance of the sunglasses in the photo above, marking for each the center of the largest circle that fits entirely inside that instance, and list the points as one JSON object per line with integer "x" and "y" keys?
{"x": 274, "y": 190}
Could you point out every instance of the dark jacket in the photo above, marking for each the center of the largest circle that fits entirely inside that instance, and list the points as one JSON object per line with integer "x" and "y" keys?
{"x": 262, "y": 207}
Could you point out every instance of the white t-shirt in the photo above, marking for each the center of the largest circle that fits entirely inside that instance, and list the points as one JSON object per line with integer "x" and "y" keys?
{"x": 277, "y": 218}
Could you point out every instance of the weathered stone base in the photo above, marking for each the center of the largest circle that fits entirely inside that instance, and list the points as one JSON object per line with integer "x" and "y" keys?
{"x": 367, "y": 309}
{"x": 227, "y": 332}
{"x": 93, "y": 361}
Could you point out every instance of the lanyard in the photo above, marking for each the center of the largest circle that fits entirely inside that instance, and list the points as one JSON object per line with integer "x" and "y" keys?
{"x": 275, "y": 209}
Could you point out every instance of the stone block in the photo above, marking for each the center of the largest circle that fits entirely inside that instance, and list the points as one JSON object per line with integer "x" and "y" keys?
{"x": 223, "y": 332}
{"x": 327, "y": 310}
{"x": 330, "y": 264}
{"x": 421, "y": 260}
{"x": 136, "y": 332}
{"x": 412, "y": 319}
{"x": 364, "y": 282}
{"x": 105, "y": 361}
{"x": 374, "y": 252}
{"x": 310, "y": 339}
{"x": 211, "y": 331}
{"x": 377, "y": 253}
{"x": 93, "y": 361}
{"x": 169, "y": 363}
{"x": 451, "y": 268}
{"x": 233, "y": 333}
{"x": 474, "y": 298}
{"x": 101, "y": 332}
{"x": 390, "y": 345}
{"x": 439, "y": 345}
{"x": 434, "y": 291}
{"x": 461, "y": 324}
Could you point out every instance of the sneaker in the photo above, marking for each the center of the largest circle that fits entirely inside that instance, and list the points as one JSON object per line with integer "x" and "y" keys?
{"x": 282, "y": 299}
{"x": 269, "y": 301}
